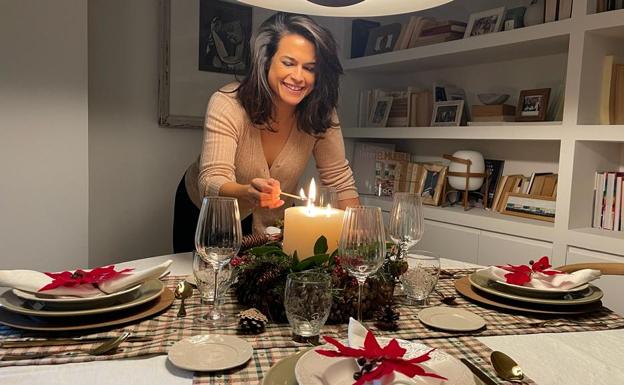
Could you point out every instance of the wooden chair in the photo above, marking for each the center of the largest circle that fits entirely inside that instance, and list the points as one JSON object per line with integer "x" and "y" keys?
{"x": 605, "y": 268}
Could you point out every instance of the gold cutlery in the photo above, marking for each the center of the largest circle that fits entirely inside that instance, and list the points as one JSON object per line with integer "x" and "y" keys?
{"x": 506, "y": 367}
{"x": 66, "y": 341}
{"x": 481, "y": 375}
{"x": 182, "y": 292}
{"x": 103, "y": 348}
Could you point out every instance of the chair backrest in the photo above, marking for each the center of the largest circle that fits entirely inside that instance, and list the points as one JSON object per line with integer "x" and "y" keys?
{"x": 605, "y": 268}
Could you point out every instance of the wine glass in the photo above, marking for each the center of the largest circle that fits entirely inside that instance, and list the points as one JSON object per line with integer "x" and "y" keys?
{"x": 406, "y": 221}
{"x": 218, "y": 238}
{"x": 362, "y": 246}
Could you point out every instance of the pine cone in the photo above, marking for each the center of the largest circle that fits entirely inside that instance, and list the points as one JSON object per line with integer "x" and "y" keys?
{"x": 387, "y": 318}
{"x": 252, "y": 321}
{"x": 253, "y": 240}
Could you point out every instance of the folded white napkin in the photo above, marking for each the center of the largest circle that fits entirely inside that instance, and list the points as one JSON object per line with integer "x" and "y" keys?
{"x": 32, "y": 281}
{"x": 546, "y": 282}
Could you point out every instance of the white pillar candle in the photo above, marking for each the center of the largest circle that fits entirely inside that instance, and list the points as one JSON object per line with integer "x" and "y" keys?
{"x": 304, "y": 225}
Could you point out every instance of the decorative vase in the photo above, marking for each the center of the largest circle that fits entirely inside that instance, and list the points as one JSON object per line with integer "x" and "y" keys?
{"x": 534, "y": 13}
{"x": 477, "y": 166}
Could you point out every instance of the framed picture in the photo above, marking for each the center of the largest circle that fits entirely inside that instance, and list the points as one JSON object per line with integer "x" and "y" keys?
{"x": 532, "y": 105}
{"x": 202, "y": 43}
{"x": 382, "y": 39}
{"x": 447, "y": 113}
{"x": 224, "y": 34}
{"x": 432, "y": 183}
{"x": 485, "y": 22}
{"x": 514, "y": 18}
{"x": 379, "y": 114}
{"x": 530, "y": 206}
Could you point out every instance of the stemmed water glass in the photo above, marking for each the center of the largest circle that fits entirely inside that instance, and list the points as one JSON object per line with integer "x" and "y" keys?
{"x": 406, "y": 221}
{"x": 362, "y": 246}
{"x": 218, "y": 238}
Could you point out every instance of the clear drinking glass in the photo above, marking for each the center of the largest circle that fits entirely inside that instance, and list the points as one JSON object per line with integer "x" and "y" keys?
{"x": 406, "y": 225}
{"x": 327, "y": 196}
{"x": 362, "y": 246}
{"x": 218, "y": 238}
{"x": 307, "y": 300}
{"x": 421, "y": 276}
{"x": 205, "y": 279}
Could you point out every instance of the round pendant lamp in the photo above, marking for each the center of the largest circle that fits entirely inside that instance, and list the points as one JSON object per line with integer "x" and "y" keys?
{"x": 346, "y": 8}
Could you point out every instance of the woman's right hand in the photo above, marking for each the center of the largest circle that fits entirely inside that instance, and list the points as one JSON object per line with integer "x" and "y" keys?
{"x": 263, "y": 192}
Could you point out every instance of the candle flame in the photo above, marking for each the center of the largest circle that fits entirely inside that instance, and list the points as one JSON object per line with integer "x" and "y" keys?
{"x": 302, "y": 194}
{"x": 312, "y": 193}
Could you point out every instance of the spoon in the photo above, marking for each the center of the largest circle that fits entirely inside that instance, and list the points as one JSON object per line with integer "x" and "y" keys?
{"x": 506, "y": 367}
{"x": 446, "y": 299}
{"x": 103, "y": 348}
{"x": 183, "y": 291}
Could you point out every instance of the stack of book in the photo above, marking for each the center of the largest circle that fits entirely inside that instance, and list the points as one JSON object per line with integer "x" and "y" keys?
{"x": 411, "y": 31}
{"x": 608, "y": 201}
{"x": 493, "y": 113}
{"x": 612, "y": 92}
{"x": 440, "y": 32}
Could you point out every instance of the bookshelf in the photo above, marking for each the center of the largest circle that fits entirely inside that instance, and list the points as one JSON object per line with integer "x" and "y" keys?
{"x": 567, "y": 52}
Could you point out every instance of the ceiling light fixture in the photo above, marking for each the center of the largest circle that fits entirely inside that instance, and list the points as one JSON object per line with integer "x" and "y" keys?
{"x": 346, "y": 8}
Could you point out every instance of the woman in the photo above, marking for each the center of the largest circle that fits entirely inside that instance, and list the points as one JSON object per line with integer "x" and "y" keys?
{"x": 260, "y": 134}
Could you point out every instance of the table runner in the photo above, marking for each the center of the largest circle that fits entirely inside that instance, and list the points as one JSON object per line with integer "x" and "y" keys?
{"x": 166, "y": 329}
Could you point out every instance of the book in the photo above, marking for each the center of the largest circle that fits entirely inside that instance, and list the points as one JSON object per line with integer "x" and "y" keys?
{"x": 565, "y": 9}
{"x": 435, "y": 39}
{"x": 443, "y": 27}
{"x": 608, "y": 89}
{"x": 494, "y": 168}
{"x": 618, "y": 204}
{"x": 550, "y": 11}
{"x": 493, "y": 110}
{"x": 601, "y": 6}
{"x": 609, "y": 200}
{"x": 616, "y": 109}
{"x": 360, "y": 29}
{"x": 599, "y": 187}
{"x": 423, "y": 23}
{"x": 499, "y": 191}
{"x": 421, "y": 108}
{"x": 406, "y": 34}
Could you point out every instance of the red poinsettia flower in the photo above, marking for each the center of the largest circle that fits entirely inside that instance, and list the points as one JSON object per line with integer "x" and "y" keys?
{"x": 390, "y": 358}
{"x": 80, "y": 277}
{"x": 521, "y": 274}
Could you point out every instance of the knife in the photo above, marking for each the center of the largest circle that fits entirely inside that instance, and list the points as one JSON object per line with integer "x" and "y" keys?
{"x": 479, "y": 373}
{"x": 66, "y": 341}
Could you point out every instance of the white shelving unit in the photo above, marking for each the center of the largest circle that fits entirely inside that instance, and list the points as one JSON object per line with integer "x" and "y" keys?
{"x": 568, "y": 51}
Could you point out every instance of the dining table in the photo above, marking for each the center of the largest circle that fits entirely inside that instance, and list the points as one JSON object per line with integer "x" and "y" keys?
{"x": 592, "y": 357}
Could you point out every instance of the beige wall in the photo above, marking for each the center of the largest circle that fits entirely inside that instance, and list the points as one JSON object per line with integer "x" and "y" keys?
{"x": 43, "y": 134}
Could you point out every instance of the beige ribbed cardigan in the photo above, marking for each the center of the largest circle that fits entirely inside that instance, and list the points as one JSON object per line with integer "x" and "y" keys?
{"x": 232, "y": 152}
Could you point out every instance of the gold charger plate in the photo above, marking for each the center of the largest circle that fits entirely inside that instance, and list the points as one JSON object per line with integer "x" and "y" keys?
{"x": 464, "y": 288}
{"x": 20, "y": 321}
{"x": 283, "y": 372}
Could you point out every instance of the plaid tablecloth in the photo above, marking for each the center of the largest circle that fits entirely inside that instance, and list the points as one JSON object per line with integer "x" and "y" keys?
{"x": 275, "y": 343}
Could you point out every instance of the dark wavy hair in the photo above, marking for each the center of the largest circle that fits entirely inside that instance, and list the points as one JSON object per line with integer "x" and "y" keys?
{"x": 314, "y": 112}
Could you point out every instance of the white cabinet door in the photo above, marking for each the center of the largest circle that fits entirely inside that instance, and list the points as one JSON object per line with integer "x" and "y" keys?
{"x": 499, "y": 249}
{"x": 450, "y": 241}
{"x": 610, "y": 284}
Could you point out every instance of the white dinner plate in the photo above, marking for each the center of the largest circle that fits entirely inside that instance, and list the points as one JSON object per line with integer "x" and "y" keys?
{"x": 148, "y": 291}
{"x": 535, "y": 291}
{"x": 315, "y": 369}
{"x": 589, "y": 295}
{"x": 74, "y": 302}
{"x": 450, "y": 318}
{"x": 210, "y": 352}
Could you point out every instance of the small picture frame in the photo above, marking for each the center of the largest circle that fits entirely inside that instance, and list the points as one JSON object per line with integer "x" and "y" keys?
{"x": 379, "y": 113}
{"x": 482, "y": 23}
{"x": 432, "y": 183}
{"x": 447, "y": 113}
{"x": 382, "y": 39}
{"x": 533, "y": 105}
{"x": 530, "y": 206}
{"x": 514, "y": 18}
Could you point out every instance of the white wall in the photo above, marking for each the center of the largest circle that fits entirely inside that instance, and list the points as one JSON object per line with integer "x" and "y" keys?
{"x": 43, "y": 134}
{"x": 134, "y": 164}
